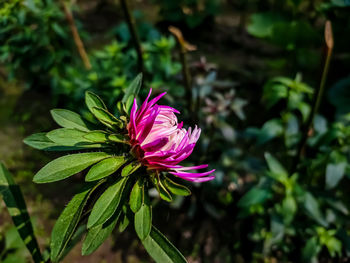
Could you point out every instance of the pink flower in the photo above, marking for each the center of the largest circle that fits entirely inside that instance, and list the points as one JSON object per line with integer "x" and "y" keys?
{"x": 160, "y": 142}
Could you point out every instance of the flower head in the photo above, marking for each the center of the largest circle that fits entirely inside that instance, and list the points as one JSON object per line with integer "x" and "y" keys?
{"x": 160, "y": 142}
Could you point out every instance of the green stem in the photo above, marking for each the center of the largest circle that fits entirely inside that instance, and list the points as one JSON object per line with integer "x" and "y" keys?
{"x": 316, "y": 99}
{"x": 132, "y": 28}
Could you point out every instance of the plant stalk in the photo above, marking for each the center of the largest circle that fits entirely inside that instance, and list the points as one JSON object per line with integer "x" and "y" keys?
{"x": 76, "y": 37}
{"x": 317, "y": 96}
{"x": 132, "y": 28}
{"x": 184, "y": 47}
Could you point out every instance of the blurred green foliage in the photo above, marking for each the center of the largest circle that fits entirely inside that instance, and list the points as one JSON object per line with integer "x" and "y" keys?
{"x": 112, "y": 68}
{"x": 12, "y": 248}
{"x": 190, "y": 12}
{"x": 34, "y": 39}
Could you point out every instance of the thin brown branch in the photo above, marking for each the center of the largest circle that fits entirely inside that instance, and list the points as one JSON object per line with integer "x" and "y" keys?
{"x": 184, "y": 48}
{"x": 328, "y": 35}
{"x": 132, "y": 28}
{"x": 76, "y": 37}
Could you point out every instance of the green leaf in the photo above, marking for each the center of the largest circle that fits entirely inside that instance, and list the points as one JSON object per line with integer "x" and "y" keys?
{"x": 70, "y": 137}
{"x": 132, "y": 91}
{"x": 78, "y": 234}
{"x": 136, "y": 196}
{"x": 311, "y": 250}
{"x": 98, "y": 234}
{"x": 313, "y": 209}
{"x": 175, "y": 188}
{"x": 117, "y": 138}
{"x": 163, "y": 192}
{"x": 253, "y": 197}
{"x": 131, "y": 168}
{"x": 68, "y": 165}
{"x": 17, "y": 208}
{"x": 92, "y": 100}
{"x": 124, "y": 223}
{"x": 97, "y": 136}
{"x": 105, "y": 168}
{"x": 106, "y": 118}
{"x": 69, "y": 119}
{"x": 334, "y": 173}
{"x": 160, "y": 248}
{"x": 41, "y": 142}
{"x": 143, "y": 221}
{"x": 274, "y": 166}
{"x": 107, "y": 204}
{"x": 68, "y": 220}
{"x": 262, "y": 24}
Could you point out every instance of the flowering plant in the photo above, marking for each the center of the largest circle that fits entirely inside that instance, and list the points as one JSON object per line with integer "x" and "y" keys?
{"x": 128, "y": 155}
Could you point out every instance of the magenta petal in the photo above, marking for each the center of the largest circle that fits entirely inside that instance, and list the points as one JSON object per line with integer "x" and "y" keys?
{"x": 155, "y": 145}
{"x": 148, "y": 126}
{"x": 132, "y": 120}
{"x": 195, "y": 179}
{"x": 183, "y": 168}
{"x": 193, "y": 175}
{"x": 199, "y": 180}
{"x": 154, "y": 100}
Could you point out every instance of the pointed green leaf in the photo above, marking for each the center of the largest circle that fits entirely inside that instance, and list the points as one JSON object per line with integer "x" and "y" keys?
{"x": 106, "y": 118}
{"x": 105, "y": 168}
{"x": 160, "y": 248}
{"x": 69, "y": 119}
{"x": 17, "y": 208}
{"x": 175, "y": 188}
{"x": 76, "y": 238}
{"x": 334, "y": 173}
{"x": 124, "y": 223}
{"x": 68, "y": 165}
{"x": 117, "y": 138}
{"x": 136, "y": 196}
{"x": 143, "y": 220}
{"x": 107, "y": 204}
{"x": 275, "y": 166}
{"x": 313, "y": 210}
{"x": 97, "y": 136}
{"x": 92, "y": 100}
{"x": 98, "y": 234}
{"x": 70, "y": 137}
{"x": 68, "y": 220}
{"x": 41, "y": 142}
{"x": 131, "y": 92}
{"x": 254, "y": 196}
{"x": 131, "y": 168}
{"x": 163, "y": 192}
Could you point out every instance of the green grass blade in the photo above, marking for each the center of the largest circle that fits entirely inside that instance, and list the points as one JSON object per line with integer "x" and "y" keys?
{"x": 17, "y": 208}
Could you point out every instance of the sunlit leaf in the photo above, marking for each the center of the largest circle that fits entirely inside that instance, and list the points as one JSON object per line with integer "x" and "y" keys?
{"x": 132, "y": 91}
{"x": 160, "y": 248}
{"x": 92, "y": 101}
{"x": 107, "y": 203}
{"x": 98, "y": 234}
{"x": 143, "y": 220}
{"x": 68, "y": 165}
{"x": 130, "y": 168}
{"x": 105, "y": 168}
{"x": 67, "y": 222}
{"x": 69, "y": 119}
